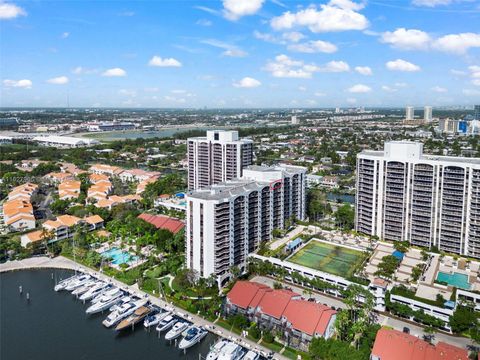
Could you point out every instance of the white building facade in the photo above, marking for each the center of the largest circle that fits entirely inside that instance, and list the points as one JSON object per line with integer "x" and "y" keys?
{"x": 428, "y": 200}
{"x": 227, "y": 221}
{"x": 218, "y": 157}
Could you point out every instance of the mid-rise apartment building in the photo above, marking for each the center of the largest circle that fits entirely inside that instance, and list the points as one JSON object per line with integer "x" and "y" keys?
{"x": 229, "y": 220}
{"x": 428, "y": 200}
{"x": 219, "y": 156}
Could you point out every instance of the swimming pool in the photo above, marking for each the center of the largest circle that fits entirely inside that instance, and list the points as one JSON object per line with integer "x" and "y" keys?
{"x": 456, "y": 279}
{"x": 118, "y": 256}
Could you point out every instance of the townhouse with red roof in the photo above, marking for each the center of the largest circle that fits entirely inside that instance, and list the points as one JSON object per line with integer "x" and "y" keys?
{"x": 284, "y": 311}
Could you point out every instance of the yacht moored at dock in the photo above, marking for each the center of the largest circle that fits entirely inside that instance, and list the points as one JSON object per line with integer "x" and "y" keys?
{"x": 155, "y": 317}
{"x": 193, "y": 336}
{"x": 216, "y": 349}
{"x": 84, "y": 288}
{"x": 110, "y": 292}
{"x": 95, "y": 291}
{"x": 80, "y": 281}
{"x": 65, "y": 282}
{"x": 231, "y": 351}
{"x": 104, "y": 302}
{"x": 133, "y": 319}
{"x": 166, "y": 323}
{"x": 122, "y": 312}
{"x": 177, "y": 329}
{"x": 251, "y": 355}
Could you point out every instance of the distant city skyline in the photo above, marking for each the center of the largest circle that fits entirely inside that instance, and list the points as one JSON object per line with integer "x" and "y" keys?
{"x": 240, "y": 53}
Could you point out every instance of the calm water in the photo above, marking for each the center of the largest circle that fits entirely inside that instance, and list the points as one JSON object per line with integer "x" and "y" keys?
{"x": 54, "y": 326}
{"x": 347, "y": 198}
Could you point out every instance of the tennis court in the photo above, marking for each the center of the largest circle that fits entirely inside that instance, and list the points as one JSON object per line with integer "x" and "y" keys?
{"x": 333, "y": 259}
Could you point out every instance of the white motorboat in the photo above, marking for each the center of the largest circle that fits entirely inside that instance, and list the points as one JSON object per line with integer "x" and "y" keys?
{"x": 231, "y": 351}
{"x": 193, "y": 336}
{"x": 251, "y": 355}
{"x": 166, "y": 323}
{"x": 84, "y": 288}
{"x": 215, "y": 349}
{"x": 104, "y": 303}
{"x": 124, "y": 300}
{"x": 95, "y": 291}
{"x": 155, "y": 318}
{"x": 64, "y": 283}
{"x": 122, "y": 312}
{"x": 110, "y": 292}
{"x": 80, "y": 281}
{"x": 177, "y": 329}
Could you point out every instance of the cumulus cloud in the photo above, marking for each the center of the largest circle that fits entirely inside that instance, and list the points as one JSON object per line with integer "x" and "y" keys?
{"x": 79, "y": 70}
{"x": 457, "y": 43}
{"x": 439, "y": 89}
{"x": 10, "y": 11}
{"x": 286, "y": 67}
{"x": 388, "y": 88}
{"x": 65, "y": 35}
{"x": 247, "y": 82}
{"x": 60, "y": 80}
{"x": 235, "y": 9}
{"x": 24, "y": 83}
{"x": 406, "y": 39}
{"x": 402, "y": 65}
{"x": 364, "y": 70}
{"x": 114, "y": 72}
{"x": 315, "y": 46}
{"x": 337, "y": 15}
{"x": 359, "y": 89}
{"x": 293, "y": 36}
{"x": 164, "y": 62}
{"x": 475, "y": 74}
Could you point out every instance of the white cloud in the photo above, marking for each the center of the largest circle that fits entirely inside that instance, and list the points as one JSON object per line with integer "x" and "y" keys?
{"x": 475, "y": 74}
{"x": 359, "y": 89}
{"x": 388, "y": 88}
{"x": 316, "y": 46}
{"x": 60, "y": 80}
{"x": 401, "y": 84}
{"x": 175, "y": 99}
{"x": 431, "y": 3}
{"x": 471, "y": 92}
{"x": 235, "y": 9}
{"x": 127, "y": 92}
{"x": 114, "y": 72}
{"x": 230, "y": 50}
{"x": 79, "y": 70}
{"x": 164, "y": 62}
{"x": 457, "y": 43}
{"x": 10, "y": 11}
{"x": 458, "y": 72}
{"x": 319, "y": 94}
{"x": 24, "y": 83}
{"x": 204, "y": 22}
{"x": 402, "y": 65}
{"x": 234, "y": 53}
{"x": 439, "y": 89}
{"x": 293, "y": 36}
{"x": 65, "y": 35}
{"x": 407, "y": 39}
{"x": 247, "y": 82}
{"x": 364, "y": 70}
{"x": 337, "y": 15}
{"x": 286, "y": 67}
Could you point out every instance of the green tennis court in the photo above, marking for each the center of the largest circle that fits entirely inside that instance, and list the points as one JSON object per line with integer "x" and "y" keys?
{"x": 333, "y": 259}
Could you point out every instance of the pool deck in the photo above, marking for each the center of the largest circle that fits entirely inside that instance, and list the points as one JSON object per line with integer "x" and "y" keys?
{"x": 60, "y": 262}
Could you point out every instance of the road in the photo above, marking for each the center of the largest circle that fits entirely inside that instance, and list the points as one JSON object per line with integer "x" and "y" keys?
{"x": 64, "y": 263}
{"x": 382, "y": 319}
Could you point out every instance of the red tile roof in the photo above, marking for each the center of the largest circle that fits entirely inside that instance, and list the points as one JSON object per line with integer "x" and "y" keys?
{"x": 274, "y": 303}
{"x": 308, "y": 317}
{"x": 244, "y": 294}
{"x": 163, "y": 222}
{"x": 396, "y": 345}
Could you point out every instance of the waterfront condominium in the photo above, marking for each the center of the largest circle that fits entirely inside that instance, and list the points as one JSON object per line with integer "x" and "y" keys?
{"x": 428, "y": 200}
{"x": 229, "y": 220}
{"x": 217, "y": 157}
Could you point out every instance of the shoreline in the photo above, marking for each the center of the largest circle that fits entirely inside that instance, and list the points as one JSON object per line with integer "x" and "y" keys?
{"x": 60, "y": 262}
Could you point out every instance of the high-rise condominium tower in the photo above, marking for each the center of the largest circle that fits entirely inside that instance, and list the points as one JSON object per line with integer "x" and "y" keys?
{"x": 428, "y": 200}
{"x": 220, "y": 156}
{"x": 427, "y": 114}
{"x": 409, "y": 113}
{"x": 227, "y": 221}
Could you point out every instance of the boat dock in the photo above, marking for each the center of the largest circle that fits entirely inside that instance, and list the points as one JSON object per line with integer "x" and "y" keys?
{"x": 60, "y": 262}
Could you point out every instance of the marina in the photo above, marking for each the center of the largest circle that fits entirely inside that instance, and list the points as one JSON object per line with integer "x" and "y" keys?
{"x": 112, "y": 305}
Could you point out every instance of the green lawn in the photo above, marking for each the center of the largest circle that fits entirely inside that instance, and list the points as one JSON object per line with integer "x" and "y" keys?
{"x": 333, "y": 259}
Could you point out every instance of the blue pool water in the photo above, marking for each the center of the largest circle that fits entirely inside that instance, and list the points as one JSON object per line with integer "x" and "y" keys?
{"x": 119, "y": 256}
{"x": 456, "y": 279}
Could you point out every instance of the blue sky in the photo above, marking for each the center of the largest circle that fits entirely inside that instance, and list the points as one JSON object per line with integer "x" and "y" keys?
{"x": 239, "y": 53}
